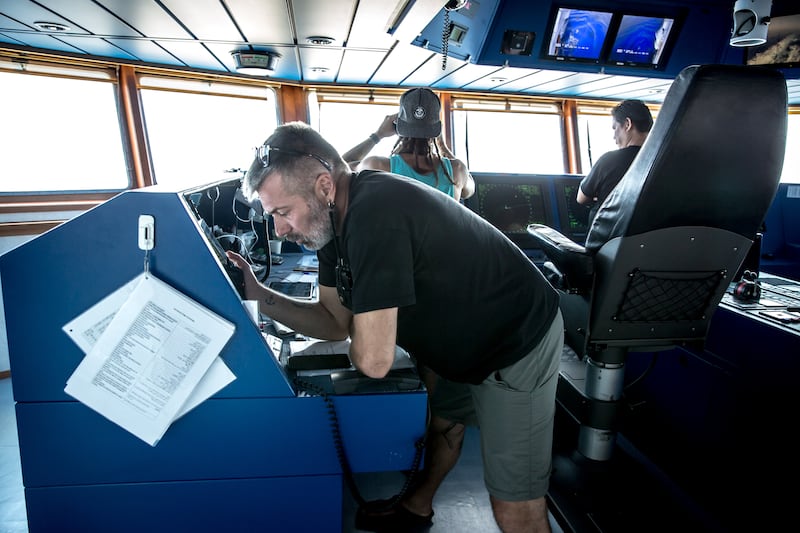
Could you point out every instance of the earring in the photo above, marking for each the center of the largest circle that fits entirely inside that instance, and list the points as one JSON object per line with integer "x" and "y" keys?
{"x": 331, "y": 205}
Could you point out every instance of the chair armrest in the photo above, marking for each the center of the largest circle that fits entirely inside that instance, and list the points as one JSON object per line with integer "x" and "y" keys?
{"x": 574, "y": 262}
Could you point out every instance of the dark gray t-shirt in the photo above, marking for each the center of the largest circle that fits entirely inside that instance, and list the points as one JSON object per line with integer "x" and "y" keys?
{"x": 605, "y": 174}
{"x": 469, "y": 301}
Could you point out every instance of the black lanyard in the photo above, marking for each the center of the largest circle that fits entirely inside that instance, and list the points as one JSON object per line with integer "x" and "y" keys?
{"x": 344, "y": 277}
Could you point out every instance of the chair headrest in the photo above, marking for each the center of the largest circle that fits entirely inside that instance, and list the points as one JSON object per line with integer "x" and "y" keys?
{"x": 713, "y": 158}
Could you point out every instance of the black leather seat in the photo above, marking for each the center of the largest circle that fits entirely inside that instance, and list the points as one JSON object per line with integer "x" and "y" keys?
{"x": 667, "y": 242}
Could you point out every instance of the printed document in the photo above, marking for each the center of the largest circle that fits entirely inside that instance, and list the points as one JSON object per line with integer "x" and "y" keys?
{"x": 147, "y": 356}
{"x": 85, "y": 329}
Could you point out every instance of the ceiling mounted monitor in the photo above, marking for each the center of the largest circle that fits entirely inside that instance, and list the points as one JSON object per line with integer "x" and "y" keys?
{"x": 577, "y": 34}
{"x": 641, "y": 41}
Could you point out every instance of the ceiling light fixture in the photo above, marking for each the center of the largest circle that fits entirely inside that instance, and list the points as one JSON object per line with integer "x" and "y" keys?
{"x": 256, "y": 62}
{"x": 50, "y": 26}
{"x": 320, "y": 40}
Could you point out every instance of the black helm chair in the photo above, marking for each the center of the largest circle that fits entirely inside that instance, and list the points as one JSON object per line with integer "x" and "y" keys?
{"x": 667, "y": 242}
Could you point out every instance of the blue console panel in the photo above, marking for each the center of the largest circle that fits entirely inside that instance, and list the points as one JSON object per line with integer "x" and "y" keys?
{"x": 255, "y": 456}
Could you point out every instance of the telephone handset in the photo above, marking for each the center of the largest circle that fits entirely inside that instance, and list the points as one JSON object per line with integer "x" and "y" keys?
{"x": 451, "y": 5}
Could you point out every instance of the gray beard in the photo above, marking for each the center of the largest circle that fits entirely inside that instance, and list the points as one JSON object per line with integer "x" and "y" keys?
{"x": 320, "y": 232}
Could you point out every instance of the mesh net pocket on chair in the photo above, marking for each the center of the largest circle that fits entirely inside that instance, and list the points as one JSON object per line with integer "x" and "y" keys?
{"x": 667, "y": 297}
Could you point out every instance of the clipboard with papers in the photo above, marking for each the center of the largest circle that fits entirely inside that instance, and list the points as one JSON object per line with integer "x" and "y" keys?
{"x": 151, "y": 356}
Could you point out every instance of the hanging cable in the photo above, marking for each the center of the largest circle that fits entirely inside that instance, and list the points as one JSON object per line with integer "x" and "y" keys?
{"x": 446, "y": 37}
{"x": 347, "y": 472}
{"x": 466, "y": 137}
{"x": 589, "y": 145}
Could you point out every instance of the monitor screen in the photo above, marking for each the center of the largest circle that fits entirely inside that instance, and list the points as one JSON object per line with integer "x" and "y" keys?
{"x": 512, "y": 202}
{"x": 572, "y": 216}
{"x": 641, "y": 41}
{"x": 577, "y": 34}
{"x": 782, "y": 48}
{"x": 228, "y": 222}
{"x": 223, "y": 205}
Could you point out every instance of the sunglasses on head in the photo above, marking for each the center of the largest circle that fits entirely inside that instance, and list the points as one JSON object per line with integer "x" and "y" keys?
{"x": 263, "y": 154}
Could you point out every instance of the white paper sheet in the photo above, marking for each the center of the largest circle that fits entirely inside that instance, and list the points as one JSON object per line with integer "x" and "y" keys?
{"x": 147, "y": 356}
{"x": 308, "y": 263}
{"x": 86, "y": 328}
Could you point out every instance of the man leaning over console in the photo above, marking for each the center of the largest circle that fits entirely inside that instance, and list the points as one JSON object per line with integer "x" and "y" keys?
{"x": 386, "y": 246}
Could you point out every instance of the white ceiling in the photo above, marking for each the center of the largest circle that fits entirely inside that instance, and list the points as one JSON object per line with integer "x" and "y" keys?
{"x": 366, "y": 48}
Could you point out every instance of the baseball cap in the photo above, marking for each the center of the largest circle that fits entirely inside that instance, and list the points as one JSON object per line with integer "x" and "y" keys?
{"x": 419, "y": 114}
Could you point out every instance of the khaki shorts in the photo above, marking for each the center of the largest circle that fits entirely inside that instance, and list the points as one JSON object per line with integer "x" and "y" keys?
{"x": 514, "y": 409}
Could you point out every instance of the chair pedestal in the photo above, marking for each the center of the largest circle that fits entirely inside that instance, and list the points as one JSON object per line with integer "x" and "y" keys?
{"x": 590, "y": 391}
{"x": 603, "y": 384}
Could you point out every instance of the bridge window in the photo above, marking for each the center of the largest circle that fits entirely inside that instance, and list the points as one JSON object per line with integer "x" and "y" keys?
{"x": 791, "y": 161}
{"x": 61, "y": 129}
{"x": 201, "y": 131}
{"x": 508, "y": 136}
{"x": 595, "y": 134}
{"x": 345, "y": 119}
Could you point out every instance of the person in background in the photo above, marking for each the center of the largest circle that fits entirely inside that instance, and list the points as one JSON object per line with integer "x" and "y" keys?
{"x": 420, "y": 152}
{"x": 631, "y": 121}
{"x": 386, "y": 246}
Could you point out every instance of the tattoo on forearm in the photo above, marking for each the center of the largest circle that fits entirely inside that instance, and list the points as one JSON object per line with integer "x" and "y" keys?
{"x": 271, "y": 300}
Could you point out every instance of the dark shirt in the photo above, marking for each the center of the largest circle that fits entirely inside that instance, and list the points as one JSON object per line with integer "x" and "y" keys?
{"x": 605, "y": 174}
{"x": 469, "y": 301}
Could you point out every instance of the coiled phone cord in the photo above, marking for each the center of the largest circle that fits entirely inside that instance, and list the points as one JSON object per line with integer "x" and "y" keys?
{"x": 342, "y": 456}
{"x": 446, "y": 29}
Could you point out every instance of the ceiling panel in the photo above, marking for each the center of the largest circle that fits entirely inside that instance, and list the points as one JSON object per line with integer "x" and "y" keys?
{"x": 202, "y": 33}
{"x": 430, "y": 72}
{"x": 532, "y": 79}
{"x": 465, "y": 74}
{"x": 597, "y": 81}
{"x": 320, "y": 64}
{"x": 206, "y": 20}
{"x": 510, "y": 79}
{"x": 25, "y": 13}
{"x": 222, "y": 51}
{"x": 655, "y": 95}
{"x": 369, "y": 26}
{"x": 604, "y": 83}
{"x": 5, "y": 38}
{"x": 263, "y": 21}
{"x": 358, "y": 66}
{"x": 192, "y": 53}
{"x": 97, "y": 47}
{"x": 94, "y": 19}
{"x": 649, "y": 86}
{"x": 41, "y": 40}
{"x": 400, "y": 63}
{"x": 566, "y": 84}
{"x": 333, "y": 21}
{"x": 146, "y": 51}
